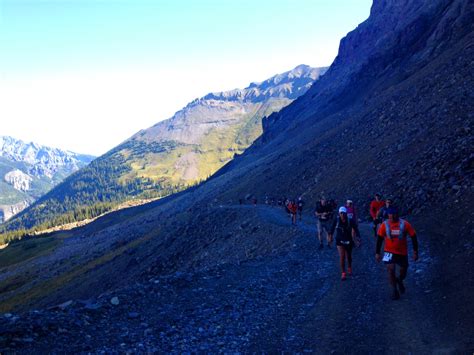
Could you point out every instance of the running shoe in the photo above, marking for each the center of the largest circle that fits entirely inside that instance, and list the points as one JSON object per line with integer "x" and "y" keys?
{"x": 343, "y": 276}
{"x": 349, "y": 271}
{"x": 395, "y": 295}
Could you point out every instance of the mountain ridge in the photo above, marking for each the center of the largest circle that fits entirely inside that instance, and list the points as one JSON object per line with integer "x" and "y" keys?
{"x": 255, "y": 93}
{"x": 44, "y": 160}
{"x": 29, "y": 170}
{"x": 171, "y": 155}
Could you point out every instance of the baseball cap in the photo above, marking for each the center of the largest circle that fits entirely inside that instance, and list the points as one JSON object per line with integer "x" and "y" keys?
{"x": 342, "y": 209}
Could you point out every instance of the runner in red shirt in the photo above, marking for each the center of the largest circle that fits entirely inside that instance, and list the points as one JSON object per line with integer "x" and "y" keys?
{"x": 394, "y": 233}
{"x": 375, "y": 206}
{"x": 293, "y": 208}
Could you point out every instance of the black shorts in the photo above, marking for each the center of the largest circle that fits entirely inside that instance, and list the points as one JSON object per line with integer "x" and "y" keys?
{"x": 401, "y": 260}
{"x": 347, "y": 245}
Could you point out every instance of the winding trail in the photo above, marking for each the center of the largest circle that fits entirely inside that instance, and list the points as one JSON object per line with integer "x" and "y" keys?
{"x": 293, "y": 301}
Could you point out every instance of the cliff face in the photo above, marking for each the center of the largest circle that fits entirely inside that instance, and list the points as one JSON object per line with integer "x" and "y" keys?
{"x": 398, "y": 39}
{"x": 399, "y": 91}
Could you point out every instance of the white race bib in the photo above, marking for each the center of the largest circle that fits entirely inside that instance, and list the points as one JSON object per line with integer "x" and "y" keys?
{"x": 387, "y": 256}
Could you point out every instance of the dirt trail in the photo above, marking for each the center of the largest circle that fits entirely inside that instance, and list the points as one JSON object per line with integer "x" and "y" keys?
{"x": 357, "y": 314}
{"x": 293, "y": 301}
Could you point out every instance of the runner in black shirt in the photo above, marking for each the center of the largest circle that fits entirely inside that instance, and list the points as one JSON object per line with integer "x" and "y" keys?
{"x": 345, "y": 236}
{"x": 324, "y": 214}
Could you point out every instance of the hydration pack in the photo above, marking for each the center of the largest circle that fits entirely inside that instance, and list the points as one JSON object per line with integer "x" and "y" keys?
{"x": 340, "y": 227}
{"x": 389, "y": 232}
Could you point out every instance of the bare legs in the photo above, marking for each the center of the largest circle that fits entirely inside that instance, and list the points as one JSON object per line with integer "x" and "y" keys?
{"x": 343, "y": 255}
{"x": 394, "y": 280}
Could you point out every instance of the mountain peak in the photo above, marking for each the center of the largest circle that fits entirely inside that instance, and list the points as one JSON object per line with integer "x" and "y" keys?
{"x": 289, "y": 84}
{"x": 215, "y": 109}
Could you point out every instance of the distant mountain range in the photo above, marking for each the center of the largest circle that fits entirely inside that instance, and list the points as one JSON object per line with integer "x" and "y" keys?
{"x": 173, "y": 154}
{"x": 29, "y": 170}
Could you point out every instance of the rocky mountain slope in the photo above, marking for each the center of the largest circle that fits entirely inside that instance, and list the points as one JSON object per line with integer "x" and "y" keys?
{"x": 29, "y": 170}
{"x": 220, "y": 276}
{"x": 173, "y": 154}
{"x": 209, "y": 131}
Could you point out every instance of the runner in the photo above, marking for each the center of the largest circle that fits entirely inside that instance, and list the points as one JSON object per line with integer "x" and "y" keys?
{"x": 324, "y": 215}
{"x": 300, "y": 206}
{"x": 351, "y": 215}
{"x": 287, "y": 202}
{"x": 375, "y": 207}
{"x": 254, "y": 201}
{"x": 394, "y": 232}
{"x": 293, "y": 208}
{"x": 382, "y": 215}
{"x": 345, "y": 240}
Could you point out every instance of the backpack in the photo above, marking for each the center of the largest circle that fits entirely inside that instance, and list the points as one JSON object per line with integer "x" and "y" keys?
{"x": 388, "y": 232}
{"x": 340, "y": 229}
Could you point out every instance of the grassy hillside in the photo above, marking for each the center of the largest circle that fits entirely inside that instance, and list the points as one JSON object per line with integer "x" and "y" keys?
{"x": 146, "y": 167}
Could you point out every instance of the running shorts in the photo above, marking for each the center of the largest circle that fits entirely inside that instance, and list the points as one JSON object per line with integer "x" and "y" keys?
{"x": 390, "y": 258}
{"x": 323, "y": 224}
{"x": 348, "y": 245}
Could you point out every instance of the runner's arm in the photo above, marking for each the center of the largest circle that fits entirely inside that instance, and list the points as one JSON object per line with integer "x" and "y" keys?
{"x": 333, "y": 228}
{"x": 353, "y": 230}
{"x": 378, "y": 247}
{"x": 373, "y": 211}
{"x": 379, "y": 214}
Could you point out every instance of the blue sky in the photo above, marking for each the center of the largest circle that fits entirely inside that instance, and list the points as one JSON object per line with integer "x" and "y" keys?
{"x": 85, "y": 75}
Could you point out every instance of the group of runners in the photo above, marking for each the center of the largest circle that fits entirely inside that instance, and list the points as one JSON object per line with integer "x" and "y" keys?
{"x": 343, "y": 227}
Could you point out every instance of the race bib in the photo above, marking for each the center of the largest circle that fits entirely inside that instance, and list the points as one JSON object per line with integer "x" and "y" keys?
{"x": 387, "y": 256}
{"x": 395, "y": 232}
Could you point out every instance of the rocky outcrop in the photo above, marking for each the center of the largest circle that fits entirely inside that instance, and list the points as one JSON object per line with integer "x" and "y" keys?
{"x": 19, "y": 180}
{"x": 8, "y": 211}
{"x": 396, "y": 41}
